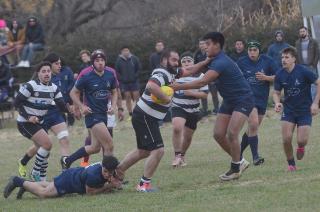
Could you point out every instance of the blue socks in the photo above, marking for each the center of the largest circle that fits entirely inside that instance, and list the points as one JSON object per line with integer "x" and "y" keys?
{"x": 244, "y": 144}
{"x": 253, "y": 141}
{"x": 75, "y": 156}
{"x": 18, "y": 181}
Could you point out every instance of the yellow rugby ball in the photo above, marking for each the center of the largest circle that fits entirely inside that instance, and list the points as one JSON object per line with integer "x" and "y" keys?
{"x": 166, "y": 90}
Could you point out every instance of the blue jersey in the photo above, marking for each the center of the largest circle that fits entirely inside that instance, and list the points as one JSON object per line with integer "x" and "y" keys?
{"x": 230, "y": 83}
{"x": 249, "y": 69}
{"x": 75, "y": 180}
{"x": 97, "y": 89}
{"x": 66, "y": 82}
{"x": 297, "y": 88}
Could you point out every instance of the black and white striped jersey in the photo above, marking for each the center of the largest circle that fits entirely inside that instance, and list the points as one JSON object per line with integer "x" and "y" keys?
{"x": 35, "y": 98}
{"x": 161, "y": 77}
{"x": 188, "y": 103}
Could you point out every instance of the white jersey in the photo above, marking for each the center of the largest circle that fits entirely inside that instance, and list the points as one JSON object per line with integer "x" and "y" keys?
{"x": 188, "y": 103}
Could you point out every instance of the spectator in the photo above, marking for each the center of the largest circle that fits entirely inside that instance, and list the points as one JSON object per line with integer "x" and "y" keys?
{"x": 34, "y": 41}
{"x": 199, "y": 56}
{"x": 85, "y": 61}
{"x": 16, "y": 39}
{"x": 3, "y": 38}
{"x": 275, "y": 49}
{"x": 128, "y": 67}
{"x": 155, "y": 56}
{"x": 308, "y": 53}
{"x": 239, "y": 50}
{"x": 5, "y": 75}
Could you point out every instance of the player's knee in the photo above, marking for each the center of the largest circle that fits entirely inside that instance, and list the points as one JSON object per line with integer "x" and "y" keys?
{"x": 253, "y": 127}
{"x": 63, "y": 134}
{"x": 47, "y": 146}
{"x": 287, "y": 139}
{"x": 159, "y": 152}
{"x": 218, "y": 136}
{"x": 232, "y": 135}
{"x": 177, "y": 129}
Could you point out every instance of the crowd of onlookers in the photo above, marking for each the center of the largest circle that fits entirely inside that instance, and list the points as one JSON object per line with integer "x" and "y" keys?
{"x": 18, "y": 44}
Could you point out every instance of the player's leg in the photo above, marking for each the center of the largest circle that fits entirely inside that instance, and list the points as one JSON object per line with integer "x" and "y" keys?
{"x": 220, "y": 131}
{"x": 187, "y": 139}
{"x": 85, "y": 160}
{"x": 252, "y": 136}
{"x": 303, "y": 133}
{"x": 22, "y": 163}
{"x": 61, "y": 131}
{"x": 287, "y": 129}
{"x": 101, "y": 134}
{"x": 177, "y": 125}
{"x": 41, "y": 190}
{"x": 152, "y": 162}
{"x": 128, "y": 100}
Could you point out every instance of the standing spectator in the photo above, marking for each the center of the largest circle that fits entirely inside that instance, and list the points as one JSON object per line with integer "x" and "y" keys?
{"x": 239, "y": 50}
{"x": 34, "y": 41}
{"x": 85, "y": 59}
{"x": 128, "y": 67}
{"x": 275, "y": 49}
{"x": 155, "y": 56}
{"x": 308, "y": 53}
{"x": 199, "y": 56}
{"x": 5, "y": 75}
{"x": 16, "y": 39}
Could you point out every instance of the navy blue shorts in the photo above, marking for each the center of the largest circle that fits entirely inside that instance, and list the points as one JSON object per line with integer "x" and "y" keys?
{"x": 244, "y": 106}
{"x": 51, "y": 120}
{"x": 261, "y": 110}
{"x": 69, "y": 182}
{"x": 191, "y": 118}
{"x": 298, "y": 119}
{"x": 134, "y": 86}
{"x": 95, "y": 118}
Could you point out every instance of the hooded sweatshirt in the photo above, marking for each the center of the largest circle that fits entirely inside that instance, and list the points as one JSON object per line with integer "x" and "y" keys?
{"x": 274, "y": 50}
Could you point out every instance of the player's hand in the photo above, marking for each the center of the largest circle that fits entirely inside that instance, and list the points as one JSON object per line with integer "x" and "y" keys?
{"x": 175, "y": 86}
{"x": 70, "y": 108}
{"x": 120, "y": 115}
{"x": 278, "y": 107}
{"x": 33, "y": 119}
{"x": 77, "y": 113}
{"x": 85, "y": 110}
{"x": 314, "y": 109}
{"x": 261, "y": 76}
{"x": 166, "y": 100}
{"x": 110, "y": 111}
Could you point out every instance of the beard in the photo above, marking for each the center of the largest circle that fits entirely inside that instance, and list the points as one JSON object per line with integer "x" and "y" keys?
{"x": 171, "y": 69}
{"x": 303, "y": 36}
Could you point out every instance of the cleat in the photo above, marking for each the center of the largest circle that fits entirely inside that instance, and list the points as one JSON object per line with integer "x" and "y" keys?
{"x": 244, "y": 164}
{"x": 183, "y": 161}
{"x": 35, "y": 177}
{"x": 84, "y": 164}
{"x": 20, "y": 193}
{"x": 176, "y": 161}
{"x": 22, "y": 169}
{"x": 258, "y": 161}
{"x": 230, "y": 175}
{"x": 146, "y": 187}
{"x": 300, "y": 153}
{"x": 9, "y": 188}
{"x": 292, "y": 168}
{"x": 64, "y": 165}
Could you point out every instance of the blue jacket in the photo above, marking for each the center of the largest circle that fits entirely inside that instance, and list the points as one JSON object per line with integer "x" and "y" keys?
{"x": 274, "y": 51}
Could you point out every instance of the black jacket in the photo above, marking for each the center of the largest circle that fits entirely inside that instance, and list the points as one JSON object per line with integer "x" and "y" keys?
{"x": 128, "y": 69}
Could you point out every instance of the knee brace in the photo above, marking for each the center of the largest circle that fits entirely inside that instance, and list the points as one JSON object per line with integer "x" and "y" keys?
{"x": 63, "y": 134}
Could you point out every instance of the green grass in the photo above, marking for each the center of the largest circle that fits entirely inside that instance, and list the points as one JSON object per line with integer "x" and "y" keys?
{"x": 194, "y": 188}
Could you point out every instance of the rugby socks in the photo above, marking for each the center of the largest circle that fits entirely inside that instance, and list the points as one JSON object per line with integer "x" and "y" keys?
{"x": 182, "y": 154}
{"x": 144, "y": 180}
{"x": 18, "y": 181}
{"x": 41, "y": 159}
{"x": 177, "y": 153}
{"x": 75, "y": 156}
{"x": 253, "y": 141}
{"x": 244, "y": 143}
{"x": 87, "y": 142}
{"x": 291, "y": 162}
{"x": 43, "y": 171}
{"x": 235, "y": 166}
{"x": 25, "y": 159}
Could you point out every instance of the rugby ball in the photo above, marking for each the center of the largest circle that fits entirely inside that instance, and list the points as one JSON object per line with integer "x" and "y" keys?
{"x": 166, "y": 90}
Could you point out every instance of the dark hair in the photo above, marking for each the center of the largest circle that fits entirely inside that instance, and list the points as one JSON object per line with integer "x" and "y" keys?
{"x": 38, "y": 67}
{"x": 110, "y": 162}
{"x": 52, "y": 57}
{"x": 216, "y": 37}
{"x": 124, "y": 47}
{"x": 303, "y": 27}
{"x": 241, "y": 40}
{"x": 166, "y": 54}
{"x": 18, "y": 23}
{"x": 290, "y": 50}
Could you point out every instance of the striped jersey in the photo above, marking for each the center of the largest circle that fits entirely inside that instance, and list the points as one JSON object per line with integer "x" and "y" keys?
{"x": 38, "y": 98}
{"x": 188, "y": 103}
{"x": 161, "y": 77}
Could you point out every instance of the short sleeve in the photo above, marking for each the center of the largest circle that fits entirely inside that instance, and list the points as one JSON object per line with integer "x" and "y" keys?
{"x": 310, "y": 76}
{"x": 216, "y": 66}
{"x": 277, "y": 84}
{"x": 159, "y": 78}
{"x": 26, "y": 90}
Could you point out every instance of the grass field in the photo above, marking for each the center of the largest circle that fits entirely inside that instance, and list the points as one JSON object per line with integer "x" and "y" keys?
{"x": 193, "y": 188}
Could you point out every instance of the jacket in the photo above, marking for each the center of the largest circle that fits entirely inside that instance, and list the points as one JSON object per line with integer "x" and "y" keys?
{"x": 313, "y": 53}
{"x": 128, "y": 69}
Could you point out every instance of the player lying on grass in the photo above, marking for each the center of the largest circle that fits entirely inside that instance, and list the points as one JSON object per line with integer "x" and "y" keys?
{"x": 94, "y": 179}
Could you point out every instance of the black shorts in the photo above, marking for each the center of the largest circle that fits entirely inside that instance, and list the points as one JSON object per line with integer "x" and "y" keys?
{"x": 191, "y": 118}
{"x": 95, "y": 118}
{"x": 244, "y": 106}
{"x": 147, "y": 130}
{"x": 28, "y": 129}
